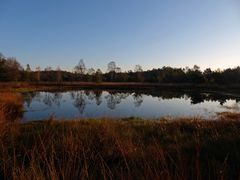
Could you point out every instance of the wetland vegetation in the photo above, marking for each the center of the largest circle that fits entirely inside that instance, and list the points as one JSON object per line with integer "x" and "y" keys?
{"x": 167, "y": 123}
{"x": 118, "y": 148}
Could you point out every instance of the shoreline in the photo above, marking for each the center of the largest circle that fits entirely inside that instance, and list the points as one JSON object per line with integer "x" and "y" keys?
{"x": 218, "y": 117}
{"x": 114, "y": 86}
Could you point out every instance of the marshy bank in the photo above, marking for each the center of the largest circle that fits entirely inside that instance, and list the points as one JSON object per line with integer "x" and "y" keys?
{"x": 11, "y": 106}
{"x": 41, "y": 86}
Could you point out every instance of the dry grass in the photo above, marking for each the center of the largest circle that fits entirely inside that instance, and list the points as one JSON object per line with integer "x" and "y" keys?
{"x": 117, "y": 149}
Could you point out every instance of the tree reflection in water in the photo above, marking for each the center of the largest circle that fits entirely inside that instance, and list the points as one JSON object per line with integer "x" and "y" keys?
{"x": 195, "y": 97}
{"x": 52, "y": 98}
{"x": 138, "y": 99}
{"x": 114, "y": 98}
{"x": 80, "y": 100}
{"x": 90, "y": 95}
{"x": 57, "y": 97}
{"x": 47, "y": 99}
{"x": 83, "y": 97}
{"x": 72, "y": 94}
{"x": 98, "y": 97}
{"x": 96, "y": 94}
{"x": 28, "y": 97}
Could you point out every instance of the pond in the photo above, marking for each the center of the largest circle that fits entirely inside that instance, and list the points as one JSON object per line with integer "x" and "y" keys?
{"x": 144, "y": 104}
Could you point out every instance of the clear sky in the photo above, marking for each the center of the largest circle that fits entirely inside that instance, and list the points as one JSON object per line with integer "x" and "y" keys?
{"x": 152, "y": 33}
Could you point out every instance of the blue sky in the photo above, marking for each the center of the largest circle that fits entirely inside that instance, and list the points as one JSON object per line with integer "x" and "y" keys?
{"x": 152, "y": 33}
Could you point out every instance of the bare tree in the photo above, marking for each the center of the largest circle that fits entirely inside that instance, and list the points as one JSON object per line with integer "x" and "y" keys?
{"x": 118, "y": 70}
{"x": 111, "y": 66}
{"x": 186, "y": 69}
{"x": 14, "y": 68}
{"x": 28, "y": 72}
{"x": 28, "y": 69}
{"x": 48, "y": 68}
{"x": 196, "y": 68}
{"x": 138, "y": 68}
{"x": 91, "y": 71}
{"x": 59, "y": 75}
{"x": 99, "y": 71}
{"x": 80, "y": 68}
{"x": 139, "y": 73}
{"x": 98, "y": 76}
{"x": 48, "y": 75}
{"x": 38, "y": 73}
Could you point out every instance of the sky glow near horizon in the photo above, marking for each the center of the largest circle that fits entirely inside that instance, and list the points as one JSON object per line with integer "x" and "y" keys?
{"x": 152, "y": 33}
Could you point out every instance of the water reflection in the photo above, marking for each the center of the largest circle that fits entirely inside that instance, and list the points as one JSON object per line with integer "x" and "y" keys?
{"x": 138, "y": 99}
{"x": 94, "y": 95}
{"x": 114, "y": 97}
{"x": 80, "y": 100}
{"x": 29, "y": 96}
{"x": 112, "y": 100}
{"x": 88, "y": 101}
{"x": 98, "y": 97}
{"x": 52, "y": 98}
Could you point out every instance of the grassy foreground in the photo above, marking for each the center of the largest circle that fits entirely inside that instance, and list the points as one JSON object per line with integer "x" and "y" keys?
{"x": 122, "y": 149}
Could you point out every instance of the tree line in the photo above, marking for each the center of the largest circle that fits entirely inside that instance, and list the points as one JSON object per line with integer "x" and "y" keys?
{"x": 12, "y": 70}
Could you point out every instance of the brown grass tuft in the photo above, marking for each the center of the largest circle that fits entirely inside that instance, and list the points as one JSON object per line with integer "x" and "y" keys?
{"x": 11, "y": 105}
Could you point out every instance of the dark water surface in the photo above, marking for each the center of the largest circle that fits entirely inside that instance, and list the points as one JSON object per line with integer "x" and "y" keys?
{"x": 148, "y": 104}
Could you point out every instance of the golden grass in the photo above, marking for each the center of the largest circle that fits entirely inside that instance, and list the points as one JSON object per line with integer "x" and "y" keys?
{"x": 116, "y": 149}
{"x": 11, "y": 105}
